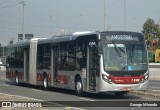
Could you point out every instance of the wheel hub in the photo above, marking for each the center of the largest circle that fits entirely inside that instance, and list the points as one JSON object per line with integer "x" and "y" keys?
{"x": 45, "y": 82}
{"x": 79, "y": 86}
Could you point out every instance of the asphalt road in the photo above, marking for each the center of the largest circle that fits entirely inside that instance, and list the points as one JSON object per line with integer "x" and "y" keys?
{"x": 54, "y": 94}
{"x": 154, "y": 85}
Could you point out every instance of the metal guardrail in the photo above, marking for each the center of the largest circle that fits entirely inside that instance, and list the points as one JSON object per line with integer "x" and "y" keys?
{"x": 154, "y": 70}
{"x": 154, "y": 73}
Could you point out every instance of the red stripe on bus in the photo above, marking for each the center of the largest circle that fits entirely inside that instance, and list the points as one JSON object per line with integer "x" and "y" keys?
{"x": 126, "y": 79}
{"x": 10, "y": 74}
{"x": 49, "y": 78}
{"x": 62, "y": 79}
{"x": 39, "y": 77}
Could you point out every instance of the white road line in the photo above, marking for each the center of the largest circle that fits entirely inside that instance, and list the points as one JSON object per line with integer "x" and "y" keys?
{"x": 86, "y": 99}
{"x": 155, "y": 87}
{"x": 74, "y": 108}
{"x": 154, "y": 90}
{"x": 151, "y": 99}
{"x": 66, "y": 108}
{"x": 148, "y": 93}
{"x": 22, "y": 97}
{"x": 5, "y": 85}
{"x": 36, "y": 90}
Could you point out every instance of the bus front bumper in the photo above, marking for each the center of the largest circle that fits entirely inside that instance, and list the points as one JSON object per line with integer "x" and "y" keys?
{"x": 106, "y": 87}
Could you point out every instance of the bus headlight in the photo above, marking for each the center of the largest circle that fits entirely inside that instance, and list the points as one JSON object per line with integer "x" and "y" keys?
{"x": 107, "y": 79}
{"x": 145, "y": 78}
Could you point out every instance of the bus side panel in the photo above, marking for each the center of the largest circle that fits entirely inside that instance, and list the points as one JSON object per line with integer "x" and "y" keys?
{"x": 33, "y": 62}
{"x": 39, "y": 76}
{"x": 10, "y": 74}
{"x": 65, "y": 79}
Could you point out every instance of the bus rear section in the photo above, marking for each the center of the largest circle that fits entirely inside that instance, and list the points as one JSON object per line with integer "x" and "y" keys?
{"x": 22, "y": 61}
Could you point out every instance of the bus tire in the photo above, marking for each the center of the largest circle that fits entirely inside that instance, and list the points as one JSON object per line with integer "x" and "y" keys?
{"x": 78, "y": 86}
{"x": 120, "y": 93}
{"x": 45, "y": 82}
{"x": 17, "y": 79}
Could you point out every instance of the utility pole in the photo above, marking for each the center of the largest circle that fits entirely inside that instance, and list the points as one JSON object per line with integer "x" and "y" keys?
{"x": 105, "y": 15}
{"x": 24, "y": 19}
{"x": 17, "y": 18}
{"x": 51, "y": 20}
{"x": 124, "y": 15}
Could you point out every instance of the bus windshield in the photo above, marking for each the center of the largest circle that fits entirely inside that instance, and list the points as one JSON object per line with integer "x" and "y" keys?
{"x": 124, "y": 57}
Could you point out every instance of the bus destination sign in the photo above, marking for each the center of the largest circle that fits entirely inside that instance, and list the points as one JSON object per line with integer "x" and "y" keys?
{"x": 122, "y": 37}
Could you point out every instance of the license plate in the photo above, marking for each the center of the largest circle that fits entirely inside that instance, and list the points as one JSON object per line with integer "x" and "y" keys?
{"x": 127, "y": 89}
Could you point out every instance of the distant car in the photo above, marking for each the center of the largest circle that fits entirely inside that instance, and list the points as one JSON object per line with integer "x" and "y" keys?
{"x": 2, "y": 67}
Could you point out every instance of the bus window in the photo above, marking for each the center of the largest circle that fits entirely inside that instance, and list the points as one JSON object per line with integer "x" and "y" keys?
{"x": 47, "y": 57}
{"x": 62, "y": 56}
{"x": 70, "y": 60}
{"x": 44, "y": 57}
{"x": 81, "y": 54}
{"x": 66, "y": 60}
{"x": 40, "y": 57}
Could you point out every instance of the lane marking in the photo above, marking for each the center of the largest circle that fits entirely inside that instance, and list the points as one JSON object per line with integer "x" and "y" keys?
{"x": 155, "y": 87}
{"x": 151, "y": 99}
{"x": 148, "y": 93}
{"x": 75, "y": 108}
{"x": 36, "y": 90}
{"x": 86, "y": 99}
{"x": 21, "y": 97}
{"x": 5, "y": 85}
{"x": 153, "y": 90}
{"x": 145, "y": 95}
{"x": 66, "y": 108}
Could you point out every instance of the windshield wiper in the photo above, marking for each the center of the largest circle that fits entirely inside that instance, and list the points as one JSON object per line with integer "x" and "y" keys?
{"x": 117, "y": 49}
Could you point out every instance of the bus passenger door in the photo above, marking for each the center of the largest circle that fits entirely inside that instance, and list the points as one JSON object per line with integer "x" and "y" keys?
{"x": 55, "y": 64}
{"x": 92, "y": 65}
{"x": 26, "y": 64}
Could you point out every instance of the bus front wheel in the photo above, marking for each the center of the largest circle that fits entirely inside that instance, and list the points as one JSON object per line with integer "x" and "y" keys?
{"x": 78, "y": 87}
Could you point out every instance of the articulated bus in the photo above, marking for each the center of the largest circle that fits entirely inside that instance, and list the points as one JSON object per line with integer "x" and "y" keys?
{"x": 94, "y": 62}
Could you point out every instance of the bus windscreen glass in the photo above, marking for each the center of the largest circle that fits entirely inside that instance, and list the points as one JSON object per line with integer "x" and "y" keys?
{"x": 124, "y": 57}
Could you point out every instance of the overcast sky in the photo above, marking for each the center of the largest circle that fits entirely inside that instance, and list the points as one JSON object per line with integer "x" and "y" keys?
{"x": 47, "y": 17}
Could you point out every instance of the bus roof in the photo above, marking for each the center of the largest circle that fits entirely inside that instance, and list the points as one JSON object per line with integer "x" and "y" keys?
{"x": 63, "y": 38}
{"x": 23, "y": 42}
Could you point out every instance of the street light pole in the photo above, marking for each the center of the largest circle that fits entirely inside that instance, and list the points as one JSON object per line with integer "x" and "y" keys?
{"x": 24, "y": 19}
{"x": 17, "y": 18}
{"x": 105, "y": 15}
{"x": 124, "y": 15}
{"x": 51, "y": 20}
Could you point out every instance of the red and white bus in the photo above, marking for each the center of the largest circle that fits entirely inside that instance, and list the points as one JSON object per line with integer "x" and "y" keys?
{"x": 94, "y": 62}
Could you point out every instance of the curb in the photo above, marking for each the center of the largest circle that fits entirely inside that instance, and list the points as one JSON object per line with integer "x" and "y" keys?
{"x": 145, "y": 95}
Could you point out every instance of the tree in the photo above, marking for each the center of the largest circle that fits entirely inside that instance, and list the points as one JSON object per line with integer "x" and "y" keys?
{"x": 151, "y": 31}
